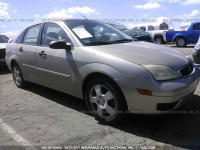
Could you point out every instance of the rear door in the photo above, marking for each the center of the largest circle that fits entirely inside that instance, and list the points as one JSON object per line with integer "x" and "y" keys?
{"x": 194, "y": 33}
{"x": 27, "y": 51}
{"x": 55, "y": 67}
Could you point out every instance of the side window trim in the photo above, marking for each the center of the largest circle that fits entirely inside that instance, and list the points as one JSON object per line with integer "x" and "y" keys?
{"x": 39, "y": 42}
{"x": 26, "y": 32}
{"x": 20, "y": 38}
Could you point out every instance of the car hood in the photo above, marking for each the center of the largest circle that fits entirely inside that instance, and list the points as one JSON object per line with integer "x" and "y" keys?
{"x": 3, "y": 45}
{"x": 144, "y": 53}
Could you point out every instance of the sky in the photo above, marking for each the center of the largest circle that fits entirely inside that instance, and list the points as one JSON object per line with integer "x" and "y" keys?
{"x": 15, "y": 15}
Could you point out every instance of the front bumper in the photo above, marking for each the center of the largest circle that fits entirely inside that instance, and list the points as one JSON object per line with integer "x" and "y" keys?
{"x": 166, "y": 95}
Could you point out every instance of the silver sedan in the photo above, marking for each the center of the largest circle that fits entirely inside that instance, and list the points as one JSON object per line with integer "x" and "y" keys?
{"x": 105, "y": 67}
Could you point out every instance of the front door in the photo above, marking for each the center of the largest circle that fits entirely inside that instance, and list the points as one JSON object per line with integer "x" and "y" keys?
{"x": 55, "y": 67}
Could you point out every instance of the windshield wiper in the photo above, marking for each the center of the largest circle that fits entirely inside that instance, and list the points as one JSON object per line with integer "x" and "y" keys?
{"x": 111, "y": 42}
{"x": 99, "y": 43}
{"x": 123, "y": 41}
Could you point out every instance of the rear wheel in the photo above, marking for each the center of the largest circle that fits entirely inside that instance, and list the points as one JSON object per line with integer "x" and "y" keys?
{"x": 105, "y": 100}
{"x": 181, "y": 42}
{"x": 18, "y": 76}
{"x": 159, "y": 40}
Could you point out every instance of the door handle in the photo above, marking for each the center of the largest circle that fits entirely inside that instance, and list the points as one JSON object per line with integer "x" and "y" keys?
{"x": 20, "y": 49}
{"x": 42, "y": 53}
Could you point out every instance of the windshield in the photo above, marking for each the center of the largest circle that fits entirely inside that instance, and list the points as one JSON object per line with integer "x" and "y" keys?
{"x": 95, "y": 33}
{"x": 3, "y": 39}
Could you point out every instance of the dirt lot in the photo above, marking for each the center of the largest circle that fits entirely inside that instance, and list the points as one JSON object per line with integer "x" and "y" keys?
{"x": 38, "y": 116}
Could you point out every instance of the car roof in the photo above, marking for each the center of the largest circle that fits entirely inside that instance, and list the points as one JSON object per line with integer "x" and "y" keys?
{"x": 114, "y": 23}
{"x": 54, "y": 20}
{"x": 2, "y": 35}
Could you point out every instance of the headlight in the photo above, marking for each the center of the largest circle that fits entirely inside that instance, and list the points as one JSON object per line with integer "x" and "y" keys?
{"x": 160, "y": 72}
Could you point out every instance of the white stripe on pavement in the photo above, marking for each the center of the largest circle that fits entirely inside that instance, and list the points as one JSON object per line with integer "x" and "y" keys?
{"x": 14, "y": 134}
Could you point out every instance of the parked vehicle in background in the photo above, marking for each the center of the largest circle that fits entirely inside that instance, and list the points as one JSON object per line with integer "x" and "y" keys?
{"x": 139, "y": 35}
{"x": 96, "y": 62}
{"x": 118, "y": 26}
{"x": 136, "y": 34}
{"x": 196, "y": 53}
{"x": 182, "y": 38}
{"x": 3, "y": 42}
{"x": 3, "y": 39}
{"x": 184, "y": 28}
{"x": 157, "y": 32}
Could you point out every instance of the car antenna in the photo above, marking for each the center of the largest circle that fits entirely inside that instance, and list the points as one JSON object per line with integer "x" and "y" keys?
{"x": 75, "y": 10}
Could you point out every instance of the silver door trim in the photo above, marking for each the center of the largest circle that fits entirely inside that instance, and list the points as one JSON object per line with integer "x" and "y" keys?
{"x": 60, "y": 74}
{"x": 29, "y": 66}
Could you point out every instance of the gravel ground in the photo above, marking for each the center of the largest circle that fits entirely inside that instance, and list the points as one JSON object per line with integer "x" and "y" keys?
{"x": 38, "y": 116}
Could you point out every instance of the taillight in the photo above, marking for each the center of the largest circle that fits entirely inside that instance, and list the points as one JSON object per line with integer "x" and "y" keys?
{"x": 166, "y": 34}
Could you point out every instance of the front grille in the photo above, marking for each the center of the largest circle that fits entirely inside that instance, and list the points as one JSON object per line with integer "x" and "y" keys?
{"x": 187, "y": 70}
{"x": 2, "y": 53}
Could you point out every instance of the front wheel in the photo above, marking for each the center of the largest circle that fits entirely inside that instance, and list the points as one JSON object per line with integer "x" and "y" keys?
{"x": 105, "y": 100}
{"x": 18, "y": 76}
{"x": 181, "y": 42}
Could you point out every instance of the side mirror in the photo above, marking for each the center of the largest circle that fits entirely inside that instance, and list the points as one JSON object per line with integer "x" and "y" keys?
{"x": 60, "y": 45}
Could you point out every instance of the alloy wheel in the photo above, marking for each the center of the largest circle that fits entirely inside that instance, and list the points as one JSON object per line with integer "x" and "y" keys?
{"x": 181, "y": 42}
{"x": 17, "y": 75}
{"x": 102, "y": 101}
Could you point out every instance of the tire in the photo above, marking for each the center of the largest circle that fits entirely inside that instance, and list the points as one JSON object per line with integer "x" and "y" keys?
{"x": 181, "y": 42}
{"x": 105, "y": 100}
{"x": 18, "y": 76}
{"x": 159, "y": 40}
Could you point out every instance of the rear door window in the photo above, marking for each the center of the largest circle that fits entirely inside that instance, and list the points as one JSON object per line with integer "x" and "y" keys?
{"x": 150, "y": 28}
{"x": 19, "y": 40}
{"x": 31, "y": 35}
{"x": 143, "y": 28}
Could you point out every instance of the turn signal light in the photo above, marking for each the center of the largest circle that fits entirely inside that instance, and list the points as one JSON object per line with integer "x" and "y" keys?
{"x": 144, "y": 92}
